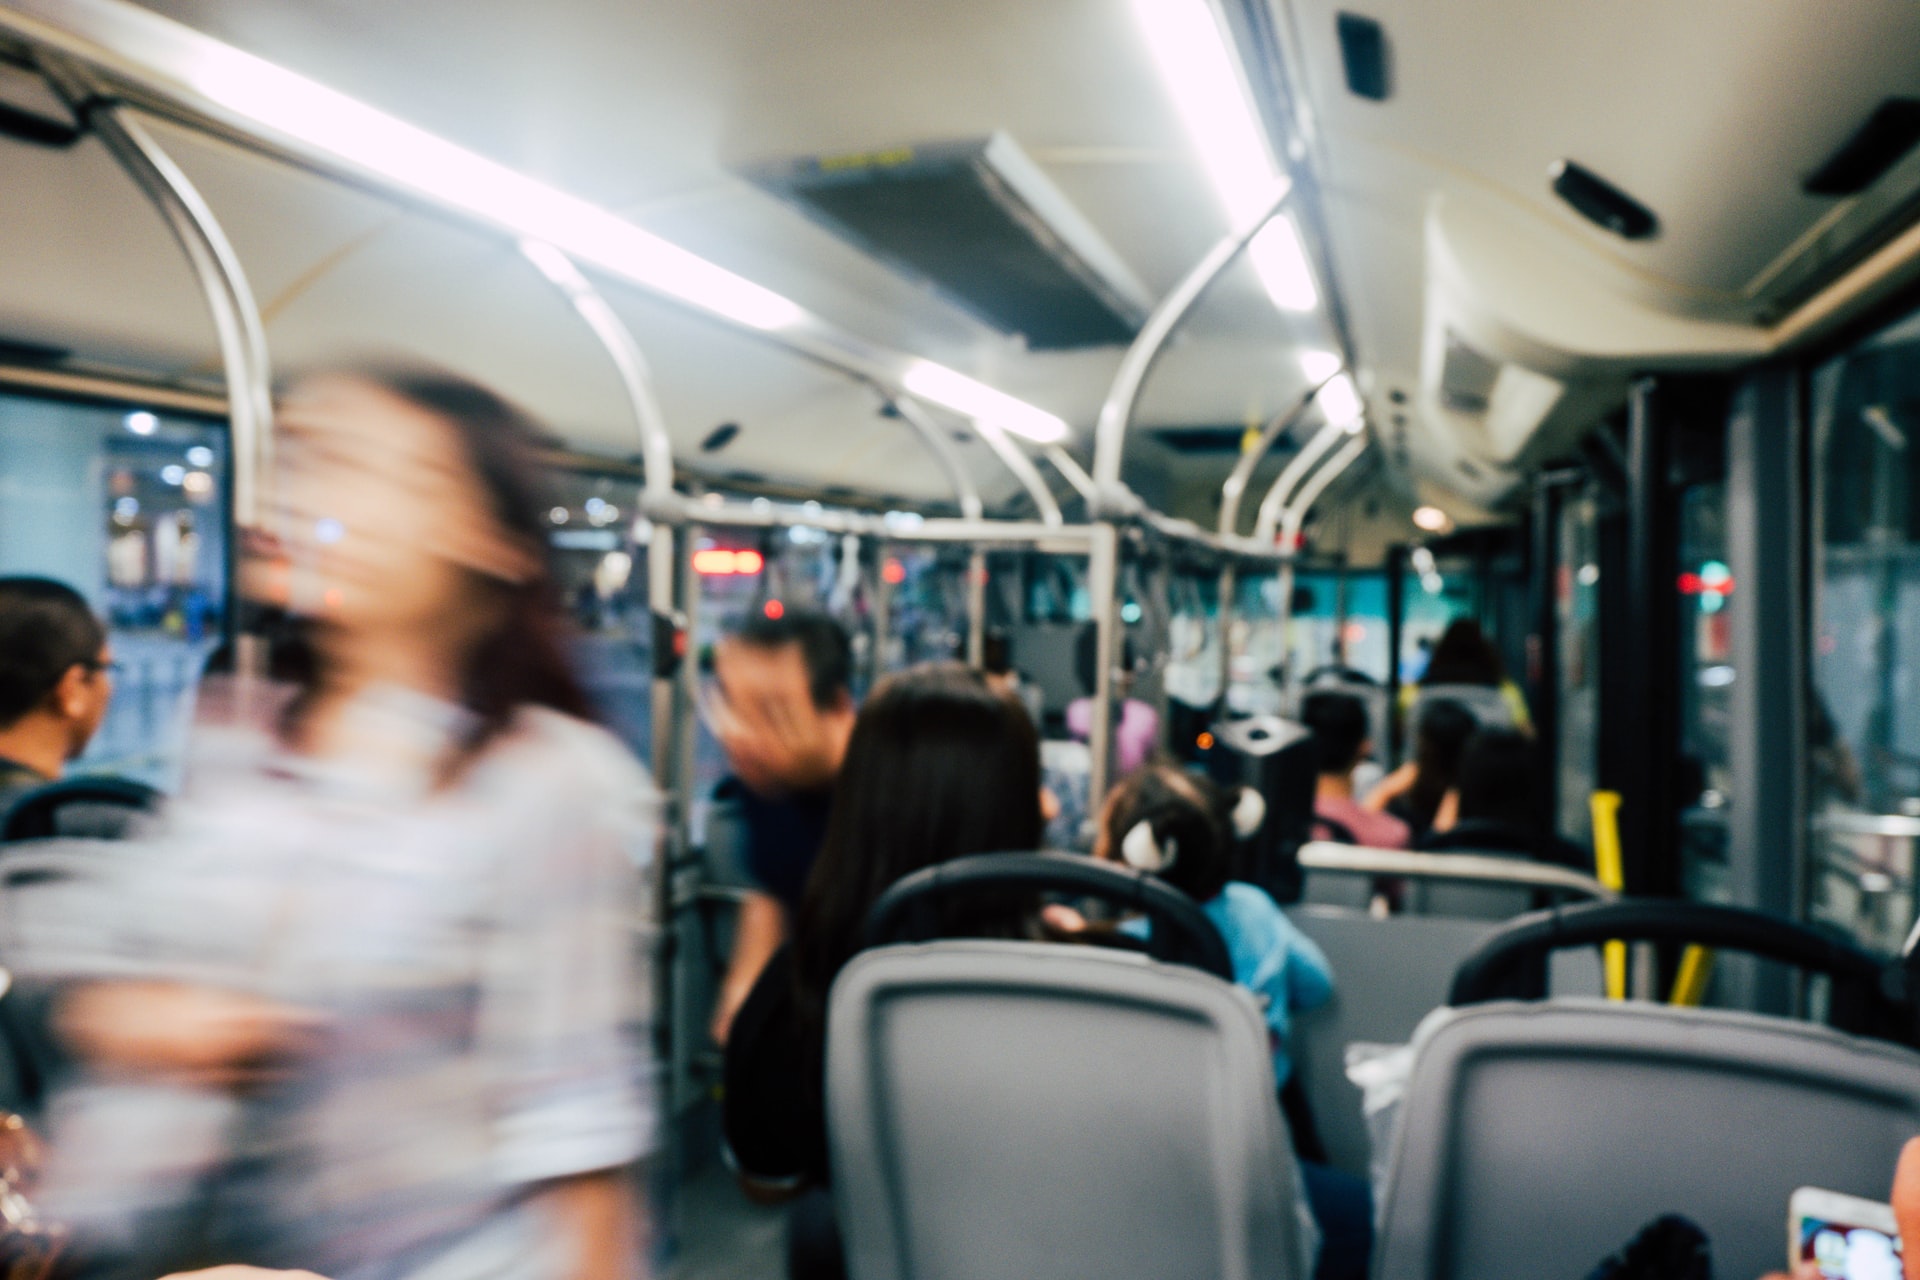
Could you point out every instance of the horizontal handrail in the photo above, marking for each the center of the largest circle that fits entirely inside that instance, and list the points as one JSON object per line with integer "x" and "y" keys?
{"x": 1476, "y": 868}
{"x": 1867, "y": 824}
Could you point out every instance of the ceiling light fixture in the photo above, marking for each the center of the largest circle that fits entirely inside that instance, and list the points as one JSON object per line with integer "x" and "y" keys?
{"x": 414, "y": 160}
{"x": 1319, "y": 365}
{"x": 1340, "y": 401}
{"x": 1192, "y": 54}
{"x": 976, "y": 399}
{"x": 1432, "y": 519}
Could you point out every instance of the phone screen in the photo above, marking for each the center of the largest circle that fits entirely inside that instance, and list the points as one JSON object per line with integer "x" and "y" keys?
{"x": 1843, "y": 1251}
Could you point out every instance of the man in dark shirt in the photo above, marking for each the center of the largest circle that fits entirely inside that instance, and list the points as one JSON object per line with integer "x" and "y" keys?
{"x": 54, "y": 682}
{"x": 784, "y": 715}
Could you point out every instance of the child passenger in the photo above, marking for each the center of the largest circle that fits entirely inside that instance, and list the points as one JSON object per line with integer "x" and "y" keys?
{"x": 1180, "y": 827}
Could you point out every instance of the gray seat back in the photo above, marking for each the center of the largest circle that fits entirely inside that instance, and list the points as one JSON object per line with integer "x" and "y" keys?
{"x": 1026, "y": 1111}
{"x": 1468, "y": 901}
{"x": 1537, "y": 1139}
{"x": 1388, "y": 974}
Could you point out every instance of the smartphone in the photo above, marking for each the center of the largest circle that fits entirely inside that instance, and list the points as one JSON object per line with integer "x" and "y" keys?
{"x": 1844, "y": 1237}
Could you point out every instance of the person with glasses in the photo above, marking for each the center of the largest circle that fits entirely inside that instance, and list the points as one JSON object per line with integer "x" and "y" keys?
{"x": 55, "y": 681}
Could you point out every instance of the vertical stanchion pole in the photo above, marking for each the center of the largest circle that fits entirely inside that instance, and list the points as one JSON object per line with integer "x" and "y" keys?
{"x": 223, "y": 285}
{"x": 977, "y": 607}
{"x": 1103, "y": 583}
{"x": 1111, "y": 501}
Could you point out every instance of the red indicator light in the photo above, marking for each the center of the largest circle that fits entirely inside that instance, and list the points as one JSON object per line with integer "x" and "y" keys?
{"x": 894, "y": 572}
{"x": 1204, "y": 742}
{"x": 774, "y": 609}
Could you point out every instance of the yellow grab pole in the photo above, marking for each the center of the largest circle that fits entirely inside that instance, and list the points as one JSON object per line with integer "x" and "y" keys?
{"x": 1690, "y": 984}
{"x": 1607, "y": 867}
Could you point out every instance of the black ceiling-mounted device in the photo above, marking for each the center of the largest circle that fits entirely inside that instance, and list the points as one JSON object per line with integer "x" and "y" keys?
{"x": 1602, "y": 203}
{"x": 1363, "y": 52}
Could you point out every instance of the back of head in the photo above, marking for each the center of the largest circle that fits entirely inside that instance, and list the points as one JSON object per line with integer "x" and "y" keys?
{"x": 1339, "y": 725}
{"x": 1175, "y": 824}
{"x": 1444, "y": 729}
{"x": 819, "y": 639}
{"x": 46, "y": 629}
{"x": 939, "y": 766}
{"x": 1500, "y": 780}
{"x": 1464, "y": 655}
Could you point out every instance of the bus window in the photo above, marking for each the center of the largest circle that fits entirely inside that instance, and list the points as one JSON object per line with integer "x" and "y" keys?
{"x": 1863, "y": 716}
{"x": 127, "y": 506}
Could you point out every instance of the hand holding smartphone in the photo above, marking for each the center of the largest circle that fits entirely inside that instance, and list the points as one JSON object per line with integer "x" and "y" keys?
{"x": 1841, "y": 1237}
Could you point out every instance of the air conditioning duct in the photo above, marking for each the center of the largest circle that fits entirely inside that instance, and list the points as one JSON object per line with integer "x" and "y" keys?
{"x": 984, "y": 226}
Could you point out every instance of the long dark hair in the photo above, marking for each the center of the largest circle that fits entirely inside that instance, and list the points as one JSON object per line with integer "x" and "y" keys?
{"x": 1439, "y": 740}
{"x": 1464, "y": 655}
{"x": 522, "y": 660}
{"x": 939, "y": 766}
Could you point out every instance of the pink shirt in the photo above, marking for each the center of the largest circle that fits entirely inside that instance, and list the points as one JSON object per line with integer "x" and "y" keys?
{"x": 1374, "y": 830}
{"x": 1134, "y": 737}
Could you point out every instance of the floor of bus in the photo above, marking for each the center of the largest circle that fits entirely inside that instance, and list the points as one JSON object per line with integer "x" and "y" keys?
{"x": 721, "y": 1235}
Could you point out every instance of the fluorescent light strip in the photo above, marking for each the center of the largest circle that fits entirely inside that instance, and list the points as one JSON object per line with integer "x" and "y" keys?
{"x": 1209, "y": 95}
{"x": 1339, "y": 399}
{"x": 415, "y": 160}
{"x": 1319, "y": 365}
{"x": 975, "y": 399}
{"x": 548, "y": 220}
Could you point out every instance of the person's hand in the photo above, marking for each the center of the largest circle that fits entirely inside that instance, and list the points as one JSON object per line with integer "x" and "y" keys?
{"x": 726, "y": 1007}
{"x": 195, "y": 1035}
{"x": 765, "y": 718}
{"x": 1905, "y": 1199}
{"x": 1062, "y": 921}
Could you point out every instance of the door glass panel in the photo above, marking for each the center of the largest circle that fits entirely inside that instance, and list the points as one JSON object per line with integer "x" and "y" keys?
{"x": 127, "y": 507}
{"x": 1706, "y": 690}
{"x": 1577, "y": 664}
{"x": 1863, "y": 713}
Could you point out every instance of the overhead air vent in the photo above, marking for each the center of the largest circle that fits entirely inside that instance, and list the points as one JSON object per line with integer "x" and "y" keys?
{"x": 982, "y": 224}
{"x": 720, "y": 437}
{"x": 1602, "y": 203}
{"x": 1363, "y": 52}
{"x": 1875, "y": 147}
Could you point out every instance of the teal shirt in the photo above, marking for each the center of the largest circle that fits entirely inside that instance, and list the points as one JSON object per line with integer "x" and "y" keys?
{"x": 1281, "y": 966}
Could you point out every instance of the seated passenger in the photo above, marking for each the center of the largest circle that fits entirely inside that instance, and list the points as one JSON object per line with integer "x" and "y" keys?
{"x": 1338, "y": 722}
{"x": 1496, "y": 807}
{"x": 54, "y": 685}
{"x": 1181, "y": 828}
{"x": 1464, "y": 658}
{"x": 1415, "y": 791}
{"x": 1136, "y": 726}
{"x": 938, "y": 767}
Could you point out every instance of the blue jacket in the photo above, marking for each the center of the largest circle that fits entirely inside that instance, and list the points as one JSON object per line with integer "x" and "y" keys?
{"x": 1282, "y": 966}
